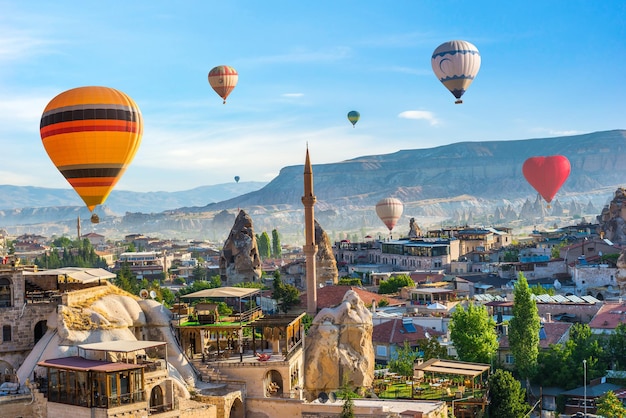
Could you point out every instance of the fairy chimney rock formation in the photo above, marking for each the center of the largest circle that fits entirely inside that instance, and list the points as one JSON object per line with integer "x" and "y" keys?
{"x": 240, "y": 260}
{"x": 339, "y": 348}
{"x": 612, "y": 220}
{"x": 326, "y": 265}
{"x": 414, "y": 229}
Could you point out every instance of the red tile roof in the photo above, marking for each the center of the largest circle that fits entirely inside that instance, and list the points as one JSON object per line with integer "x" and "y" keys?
{"x": 420, "y": 278}
{"x": 609, "y": 316}
{"x": 552, "y": 333}
{"x": 330, "y": 296}
{"x": 392, "y": 332}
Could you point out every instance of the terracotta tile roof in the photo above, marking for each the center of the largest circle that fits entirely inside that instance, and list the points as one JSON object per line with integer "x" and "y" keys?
{"x": 393, "y": 332}
{"x": 609, "y": 316}
{"x": 420, "y": 278}
{"x": 552, "y": 333}
{"x": 330, "y": 296}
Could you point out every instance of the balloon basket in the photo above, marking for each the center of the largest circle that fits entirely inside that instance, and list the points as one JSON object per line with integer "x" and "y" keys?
{"x": 95, "y": 218}
{"x": 458, "y": 101}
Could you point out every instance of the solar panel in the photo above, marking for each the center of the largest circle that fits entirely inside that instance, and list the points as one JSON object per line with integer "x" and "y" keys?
{"x": 590, "y": 299}
{"x": 575, "y": 299}
{"x": 409, "y": 327}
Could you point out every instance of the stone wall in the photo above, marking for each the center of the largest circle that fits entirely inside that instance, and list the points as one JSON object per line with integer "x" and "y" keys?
{"x": 22, "y": 317}
{"x": 17, "y": 406}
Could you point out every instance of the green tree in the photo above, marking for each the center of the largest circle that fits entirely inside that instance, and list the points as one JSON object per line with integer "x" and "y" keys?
{"x": 263, "y": 244}
{"x": 349, "y": 281}
{"x": 609, "y": 406}
{"x": 615, "y": 347}
{"x": 555, "y": 252}
{"x": 562, "y": 365}
{"x": 432, "y": 349}
{"x": 473, "y": 332}
{"x": 347, "y": 410}
{"x": 286, "y": 295}
{"x": 402, "y": 359}
{"x": 506, "y": 396}
{"x": 126, "y": 280}
{"x": 524, "y": 329}
{"x": 68, "y": 253}
{"x": 395, "y": 283}
{"x": 347, "y": 395}
{"x": 198, "y": 273}
{"x": 277, "y": 250}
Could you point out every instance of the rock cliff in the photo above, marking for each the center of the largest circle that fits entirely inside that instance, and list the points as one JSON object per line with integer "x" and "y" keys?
{"x": 108, "y": 314}
{"x": 339, "y": 349}
{"x": 240, "y": 260}
{"x": 612, "y": 219}
{"x": 325, "y": 263}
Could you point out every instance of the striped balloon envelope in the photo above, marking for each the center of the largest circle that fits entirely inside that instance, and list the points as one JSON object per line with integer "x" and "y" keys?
{"x": 353, "y": 117}
{"x": 223, "y": 79}
{"x": 389, "y": 210}
{"x": 456, "y": 64}
{"x": 92, "y": 134}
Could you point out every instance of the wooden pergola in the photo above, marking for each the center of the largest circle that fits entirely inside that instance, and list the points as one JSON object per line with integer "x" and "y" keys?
{"x": 454, "y": 368}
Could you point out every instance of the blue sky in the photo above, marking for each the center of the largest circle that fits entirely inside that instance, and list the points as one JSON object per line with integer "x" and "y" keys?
{"x": 548, "y": 69}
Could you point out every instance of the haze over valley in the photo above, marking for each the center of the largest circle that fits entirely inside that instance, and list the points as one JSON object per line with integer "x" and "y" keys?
{"x": 465, "y": 182}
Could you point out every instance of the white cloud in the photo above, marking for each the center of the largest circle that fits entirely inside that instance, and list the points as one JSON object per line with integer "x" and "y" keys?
{"x": 420, "y": 115}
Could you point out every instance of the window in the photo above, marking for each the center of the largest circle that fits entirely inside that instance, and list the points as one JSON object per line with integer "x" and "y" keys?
{"x": 381, "y": 350}
{"x": 5, "y": 293}
{"x": 509, "y": 359}
{"x": 6, "y": 333}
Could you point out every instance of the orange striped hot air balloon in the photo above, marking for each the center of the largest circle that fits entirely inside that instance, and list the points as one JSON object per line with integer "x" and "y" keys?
{"x": 223, "y": 79}
{"x": 92, "y": 134}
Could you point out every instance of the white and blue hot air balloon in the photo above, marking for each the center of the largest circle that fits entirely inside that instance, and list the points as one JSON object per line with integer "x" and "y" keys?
{"x": 456, "y": 64}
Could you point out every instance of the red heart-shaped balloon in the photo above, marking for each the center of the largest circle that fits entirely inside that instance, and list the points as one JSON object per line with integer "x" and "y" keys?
{"x": 546, "y": 174}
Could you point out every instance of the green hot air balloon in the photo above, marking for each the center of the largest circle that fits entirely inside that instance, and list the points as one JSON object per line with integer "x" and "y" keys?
{"x": 353, "y": 117}
{"x": 237, "y": 179}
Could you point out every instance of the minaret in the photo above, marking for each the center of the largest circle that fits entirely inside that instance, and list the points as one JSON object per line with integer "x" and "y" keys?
{"x": 310, "y": 249}
{"x": 78, "y": 227}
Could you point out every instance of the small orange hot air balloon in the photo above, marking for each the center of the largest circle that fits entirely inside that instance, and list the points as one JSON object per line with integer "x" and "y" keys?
{"x": 223, "y": 79}
{"x": 91, "y": 134}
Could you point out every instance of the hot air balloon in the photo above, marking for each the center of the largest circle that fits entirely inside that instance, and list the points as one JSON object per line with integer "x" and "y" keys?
{"x": 353, "y": 117}
{"x": 91, "y": 134}
{"x": 546, "y": 174}
{"x": 389, "y": 210}
{"x": 223, "y": 79}
{"x": 456, "y": 64}
{"x": 237, "y": 179}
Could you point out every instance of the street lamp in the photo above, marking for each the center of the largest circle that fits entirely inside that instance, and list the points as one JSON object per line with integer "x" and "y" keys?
{"x": 585, "y": 377}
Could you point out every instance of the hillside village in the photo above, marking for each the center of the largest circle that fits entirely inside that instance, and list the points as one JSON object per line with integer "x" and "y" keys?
{"x": 83, "y": 338}
{"x": 449, "y": 267}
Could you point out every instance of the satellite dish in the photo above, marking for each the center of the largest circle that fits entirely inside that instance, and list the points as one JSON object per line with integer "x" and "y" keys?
{"x": 153, "y": 294}
{"x": 322, "y": 397}
{"x": 332, "y": 396}
{"x": 143, "y": 294}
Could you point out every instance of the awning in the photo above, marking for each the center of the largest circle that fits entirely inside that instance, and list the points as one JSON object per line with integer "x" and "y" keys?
{"x": 221, "y": 292}
{"x": 453, "y": 367}
{"x": 121, "y": 346}
{"x": 77, "y": 274}
{"x": 85, "y": 365}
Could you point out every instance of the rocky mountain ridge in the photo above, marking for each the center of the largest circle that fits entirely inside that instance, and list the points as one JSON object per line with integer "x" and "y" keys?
{"x": 466, "y": 182}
